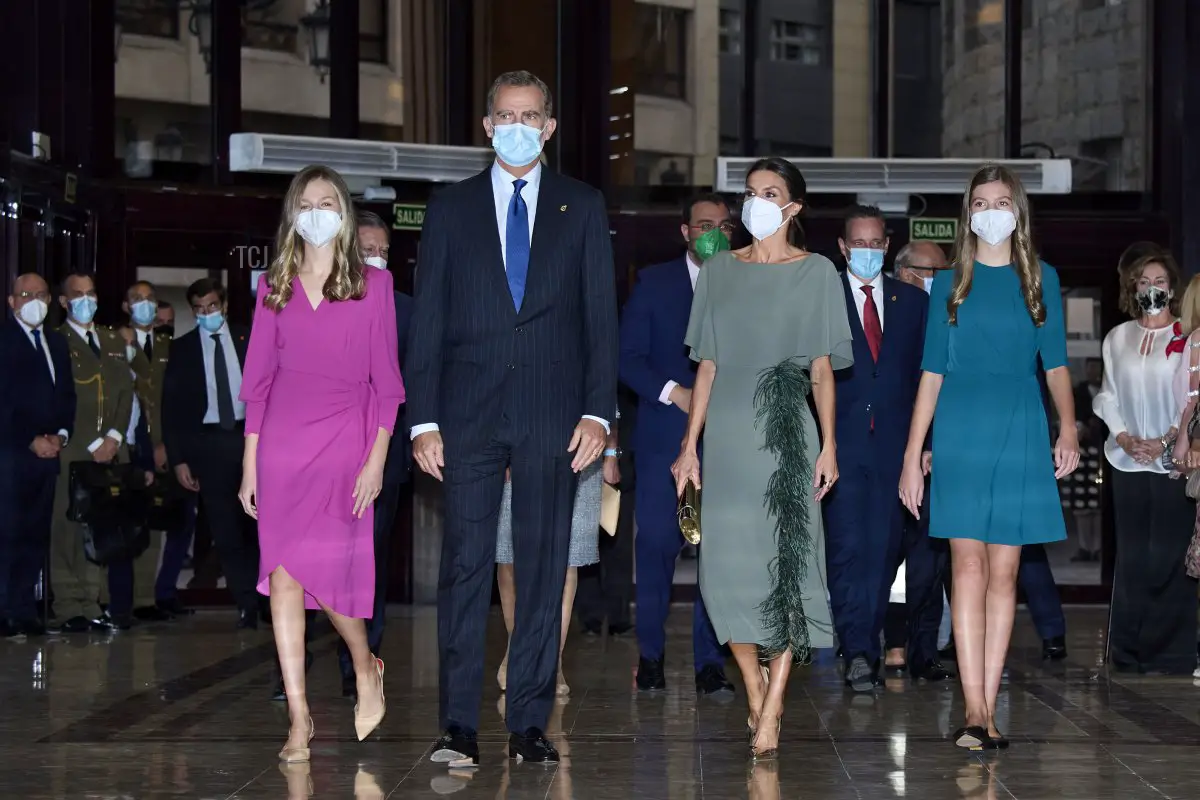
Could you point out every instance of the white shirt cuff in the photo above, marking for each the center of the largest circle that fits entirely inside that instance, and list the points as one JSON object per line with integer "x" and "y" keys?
{"x": 94, "y": 446}
{"x": 427, "y": 427}
{"x": 116, "y": 437}
{"x": 603, "y": 422}
{"x": 65, "y": 437}
{"x": 664, "y": 396}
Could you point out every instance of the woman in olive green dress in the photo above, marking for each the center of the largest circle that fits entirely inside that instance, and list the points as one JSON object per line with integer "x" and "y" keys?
{"x": 768, "y": 326}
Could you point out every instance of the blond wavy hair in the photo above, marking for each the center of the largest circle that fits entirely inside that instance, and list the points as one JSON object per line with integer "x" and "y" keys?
{"x": 1029, "y": 268}
{"x": 347, "y": 280}
{"x": 1190, "y": 318}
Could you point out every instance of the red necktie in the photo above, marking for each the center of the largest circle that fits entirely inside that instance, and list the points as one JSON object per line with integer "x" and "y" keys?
{"x": 871, "y": 325}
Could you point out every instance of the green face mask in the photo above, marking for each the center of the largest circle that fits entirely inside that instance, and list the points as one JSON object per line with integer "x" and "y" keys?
{"x": 710, "y": 243}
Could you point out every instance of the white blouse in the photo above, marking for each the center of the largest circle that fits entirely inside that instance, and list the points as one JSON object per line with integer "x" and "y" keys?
{"x": 1144, "y": 390}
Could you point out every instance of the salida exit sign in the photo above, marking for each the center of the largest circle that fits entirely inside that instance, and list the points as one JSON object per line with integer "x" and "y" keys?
{"x": 408, "y": 216}
{"x": 943, "y": 230}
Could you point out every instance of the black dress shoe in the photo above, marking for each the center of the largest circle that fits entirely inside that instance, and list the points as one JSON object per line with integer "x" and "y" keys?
{"x": 175, "y": 608}
{"x": 458, "y": 747}
{"x": 619, "y": 628}
{"x": 650, "y": 676}
{"x": 931, "y": 671}
{"x": 247, "y": 620}
{"x": 532, "y": 746}
{"x": 591, "y": 627}
{"x": 711, "y": 680}
{"x": 10, "y": 629}
{"x": 151, "y": 614}
{"x": 948, "y": 653}
{"x": 72, "y": 625}
{"x": 112, "y": 622}
{"x": 1054, "y": 648}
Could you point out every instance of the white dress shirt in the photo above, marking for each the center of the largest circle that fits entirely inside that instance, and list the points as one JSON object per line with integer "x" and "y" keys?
{"x": 49, "y": 361}
{"x": 1143, "y": 394}
{"x": 664, "y": 396}
{"x": 502, "y": 193}
{"x": 860, "y": 297}
{"x": 83, "y": 331}
{"x": 233, "y": 367}
{"x": 131, "y": 436}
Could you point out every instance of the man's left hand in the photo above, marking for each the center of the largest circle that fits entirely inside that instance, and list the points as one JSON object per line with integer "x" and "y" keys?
{"x": 587, "y": 443}
{"x": 160, "y": 457}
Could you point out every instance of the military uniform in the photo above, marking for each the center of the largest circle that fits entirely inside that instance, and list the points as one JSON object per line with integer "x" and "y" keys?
{"x": 149, "y": 374}
{"x": 104, "y": 401}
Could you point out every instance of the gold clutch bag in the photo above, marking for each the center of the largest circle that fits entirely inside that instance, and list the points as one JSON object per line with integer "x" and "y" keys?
{"x": 688, "y": 513}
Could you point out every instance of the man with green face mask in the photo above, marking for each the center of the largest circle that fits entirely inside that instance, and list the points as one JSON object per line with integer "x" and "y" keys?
{"x": 654, "y": 364}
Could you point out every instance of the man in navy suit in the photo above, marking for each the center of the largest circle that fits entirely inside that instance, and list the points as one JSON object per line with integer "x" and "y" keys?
{"x": 512, "y": 362}
{"x": 37, "y": 415}
{"x": 864, "y": 519}
{"x": 655, "y": 364}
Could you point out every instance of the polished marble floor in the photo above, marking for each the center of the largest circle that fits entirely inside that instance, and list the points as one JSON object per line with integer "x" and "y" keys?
{"x": 181, "y": 710}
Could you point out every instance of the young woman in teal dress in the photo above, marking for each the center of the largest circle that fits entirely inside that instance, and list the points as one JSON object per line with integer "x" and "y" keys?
{"x": 993, "y": 486}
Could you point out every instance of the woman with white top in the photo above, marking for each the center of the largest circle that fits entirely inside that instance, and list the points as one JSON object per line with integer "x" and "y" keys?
{"x": 1153, "y": 622}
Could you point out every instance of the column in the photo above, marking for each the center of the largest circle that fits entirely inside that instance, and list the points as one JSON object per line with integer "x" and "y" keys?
{"x": 225, "y": 83}
{"x": 343, "y": 70}
{"x": 460, "y": 107}
{"x": 1175, "y": 91}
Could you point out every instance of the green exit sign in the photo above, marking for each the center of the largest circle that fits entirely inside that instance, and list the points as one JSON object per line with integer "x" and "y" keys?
{"x": 408, "y": 217}
{"x": 933, "y": 229}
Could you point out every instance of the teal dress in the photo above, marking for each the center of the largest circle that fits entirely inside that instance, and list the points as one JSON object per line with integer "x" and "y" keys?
{"x": 993, "y": 468}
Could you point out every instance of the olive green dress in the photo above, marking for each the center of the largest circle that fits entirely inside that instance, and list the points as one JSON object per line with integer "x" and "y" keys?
{"x": 762, "y": 559}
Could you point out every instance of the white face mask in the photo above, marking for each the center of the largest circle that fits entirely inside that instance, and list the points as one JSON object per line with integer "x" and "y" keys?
{"x": 376, "y": 262}
{"x": 928, "y": 284}
{"x": 34, "y": 313}
{"x": 993, "y": 225}
{"x": 318, "y": 226}
{"x": 762, "y": 217}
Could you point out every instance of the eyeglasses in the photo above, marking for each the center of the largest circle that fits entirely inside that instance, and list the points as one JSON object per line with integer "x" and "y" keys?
{"x": 43, "y": 296}
{"x": 726, "y": 227}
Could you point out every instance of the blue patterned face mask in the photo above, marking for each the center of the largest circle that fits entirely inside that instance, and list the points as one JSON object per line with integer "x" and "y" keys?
{"x": 865, "y": 262}
{"x": 517, "y": 144}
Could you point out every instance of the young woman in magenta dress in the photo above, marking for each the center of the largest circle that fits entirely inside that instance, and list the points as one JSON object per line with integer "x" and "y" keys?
{"x": 994, "y": 475}
{"x": 321, "y": 386}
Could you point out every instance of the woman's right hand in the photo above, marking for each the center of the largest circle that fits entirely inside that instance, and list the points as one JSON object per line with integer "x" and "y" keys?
{"x": 912, "y": 486}
{"x": 685, "y": 468}
{"x": 248, "y": 494}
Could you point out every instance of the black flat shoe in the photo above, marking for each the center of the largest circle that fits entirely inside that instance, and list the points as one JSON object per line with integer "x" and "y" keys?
{"x": 1054, "y": 648}
{"x": 650, "y": 675}
{"x": 531, "y": 746}
{"x": 458, "y": 748}
{"x": 973, "y": 737}
{"x": 931, "y": 672}
{"x": 999, "y": 742}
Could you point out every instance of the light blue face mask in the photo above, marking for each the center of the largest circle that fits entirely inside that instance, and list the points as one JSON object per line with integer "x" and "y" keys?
{"x": 865, "y": 262}
{"x": 517, "y": 144}
{"x": 143, "y": 312}
{"x": 211, "y": 322}
{"x": 83, "y": 309}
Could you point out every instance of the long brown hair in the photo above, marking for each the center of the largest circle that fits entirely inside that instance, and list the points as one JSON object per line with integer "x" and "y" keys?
{"x": 346, "y": 281}
{"x": 1131, "y": 272}
{"x": 1029, "y": 268}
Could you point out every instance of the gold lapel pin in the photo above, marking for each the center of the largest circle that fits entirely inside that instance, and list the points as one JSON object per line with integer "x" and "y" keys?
{"x": 893, "y": 298}
{"x": 562, "y": 208}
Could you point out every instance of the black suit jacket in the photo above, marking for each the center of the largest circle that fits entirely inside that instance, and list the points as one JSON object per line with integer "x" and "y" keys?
{"x": 474, "y": 361}
{"x": 399, "y": 460}
{"x": 185, "y": 393}
{"x": 32, "y": 404}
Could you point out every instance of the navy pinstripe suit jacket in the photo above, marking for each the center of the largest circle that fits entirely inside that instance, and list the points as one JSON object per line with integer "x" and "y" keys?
{"x": 474, "y": 362}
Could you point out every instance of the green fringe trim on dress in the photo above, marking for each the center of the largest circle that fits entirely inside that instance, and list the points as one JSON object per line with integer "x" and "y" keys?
{"x": 781, "y": 411}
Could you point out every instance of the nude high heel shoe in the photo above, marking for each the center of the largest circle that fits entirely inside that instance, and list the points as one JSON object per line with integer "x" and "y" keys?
{"x": 364, "y": 726}
{"x": 298, "y": 755}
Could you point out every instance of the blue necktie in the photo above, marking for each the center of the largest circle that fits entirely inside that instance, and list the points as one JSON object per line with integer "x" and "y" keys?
{"x": 517, "y": 244}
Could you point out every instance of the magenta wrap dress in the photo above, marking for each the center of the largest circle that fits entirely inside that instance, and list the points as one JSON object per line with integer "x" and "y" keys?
{"x": 318, "y": 385}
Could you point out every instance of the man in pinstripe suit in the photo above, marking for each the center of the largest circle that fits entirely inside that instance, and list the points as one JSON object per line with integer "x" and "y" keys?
{"x": 512, "y": 362}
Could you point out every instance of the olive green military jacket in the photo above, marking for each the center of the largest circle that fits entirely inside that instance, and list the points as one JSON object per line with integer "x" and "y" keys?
{"x": 103, "y": 389}
{"x": 149, "y": 380}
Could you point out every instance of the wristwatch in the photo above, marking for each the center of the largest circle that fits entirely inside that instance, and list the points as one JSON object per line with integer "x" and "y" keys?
{"x": 612, "y": 452}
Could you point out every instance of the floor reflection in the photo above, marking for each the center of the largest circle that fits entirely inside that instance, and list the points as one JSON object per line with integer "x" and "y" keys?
{"x": 182, "y": 710}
